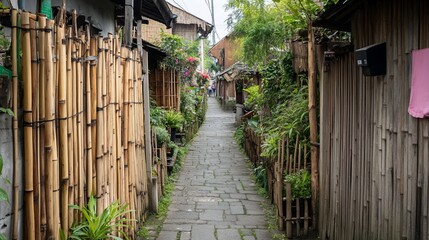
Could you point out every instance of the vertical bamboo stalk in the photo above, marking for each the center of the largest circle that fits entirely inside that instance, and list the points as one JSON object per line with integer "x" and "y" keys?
{"x": 15, "y": 203}
{"x": 295, "y": 155}
{"x": 119, "y": 117}
{"x": 42, "y": 79}
{"x": 93, "y": 69}
{"x": 63, "y": 116}
{"x": 312, "y": 85}
{"x": 106, "y": 149}
{"x": 113, "y": 118}
{"x": 52, "y": 228}
{"x": 80, "y": 126}
{"x": 28, "y": 127}
{"x": 70, "y": 135}
{"x": 132, "y": 141}
{"x": 88, "y": 85}
{"x": 109, "y": 120}
{"x": 100, "y": 130}
{"x": 36, "y": 129}
{"x": 125, "y": 79}
{"x": 74, "y": 57}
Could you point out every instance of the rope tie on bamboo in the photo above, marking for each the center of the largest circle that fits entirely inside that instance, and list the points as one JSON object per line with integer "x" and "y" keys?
{"x": 42, "y": 122}
{"x": 32, "y": 29}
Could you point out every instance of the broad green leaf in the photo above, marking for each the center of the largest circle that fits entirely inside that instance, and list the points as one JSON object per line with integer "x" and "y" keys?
{"x": 3, "y": 195}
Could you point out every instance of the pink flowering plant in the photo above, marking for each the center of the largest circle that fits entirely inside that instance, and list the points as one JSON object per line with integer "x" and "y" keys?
{"x": 181, "y": 56}
{"x": 202, "y": 79}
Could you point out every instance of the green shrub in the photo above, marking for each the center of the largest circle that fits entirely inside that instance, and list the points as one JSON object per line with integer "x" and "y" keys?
{"x": 253, "y": 97}
{"x": 162, "y": 135}
{"x": 300, "y": 183}
{"x": 157, "y": 116}
{"x": 239, "y": 135}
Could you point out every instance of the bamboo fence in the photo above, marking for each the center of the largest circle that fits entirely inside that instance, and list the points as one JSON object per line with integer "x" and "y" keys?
{"x": 293, "y": 215}
{"x": 83, "y": 124}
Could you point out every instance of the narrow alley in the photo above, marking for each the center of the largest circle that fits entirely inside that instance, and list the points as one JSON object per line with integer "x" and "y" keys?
{"x": 215, "y": 197}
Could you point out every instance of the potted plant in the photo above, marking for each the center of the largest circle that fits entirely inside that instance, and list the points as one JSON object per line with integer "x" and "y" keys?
{"x": 174, "y": 121}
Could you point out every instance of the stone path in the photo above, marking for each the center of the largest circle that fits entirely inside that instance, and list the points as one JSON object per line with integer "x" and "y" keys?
{"x": 215, "y": 197}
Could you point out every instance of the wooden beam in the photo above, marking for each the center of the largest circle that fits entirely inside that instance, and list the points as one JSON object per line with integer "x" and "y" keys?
{"x": 128, "y": 26}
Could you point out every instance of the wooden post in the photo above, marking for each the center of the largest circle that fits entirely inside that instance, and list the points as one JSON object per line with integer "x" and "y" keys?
{"x": 15, "y": 182}
{"x": 128, "y": 27}
{"x": 288, "y": 219}
{"x": 28, "y": 126}
{"x": 313, "y": 123}
{"x": 146, "y": 107}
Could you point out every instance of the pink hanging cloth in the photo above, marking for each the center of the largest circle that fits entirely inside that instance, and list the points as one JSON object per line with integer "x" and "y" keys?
{"x": 419, "y": 97}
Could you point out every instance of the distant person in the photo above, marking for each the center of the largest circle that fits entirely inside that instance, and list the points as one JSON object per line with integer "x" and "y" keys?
{"x": 214, "y": 90}
{"x": 210, "y": 91}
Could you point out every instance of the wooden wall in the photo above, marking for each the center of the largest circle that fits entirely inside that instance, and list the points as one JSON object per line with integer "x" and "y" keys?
{"x": 227, "y": 43}
{"x": 165, "y": 88}
{"x": 374, "y": 166}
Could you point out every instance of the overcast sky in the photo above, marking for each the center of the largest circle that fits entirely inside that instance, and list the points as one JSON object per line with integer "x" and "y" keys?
{"x": 200, "y": 8}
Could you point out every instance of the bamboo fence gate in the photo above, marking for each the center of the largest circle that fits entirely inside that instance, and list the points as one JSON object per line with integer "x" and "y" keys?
{"x": 83, "y": 123}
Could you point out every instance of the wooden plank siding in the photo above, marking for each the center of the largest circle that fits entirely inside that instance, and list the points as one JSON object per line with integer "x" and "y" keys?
{"x": 374, "y": 170}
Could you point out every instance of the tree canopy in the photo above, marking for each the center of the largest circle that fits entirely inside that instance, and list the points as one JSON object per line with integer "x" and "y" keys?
{"x": 263, "y": 27}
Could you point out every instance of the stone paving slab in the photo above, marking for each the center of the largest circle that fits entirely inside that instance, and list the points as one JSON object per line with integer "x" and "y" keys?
{"x": 215, "y": 198}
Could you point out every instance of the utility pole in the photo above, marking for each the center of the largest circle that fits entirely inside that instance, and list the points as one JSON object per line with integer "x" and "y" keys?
{"x": 213, "y": 23}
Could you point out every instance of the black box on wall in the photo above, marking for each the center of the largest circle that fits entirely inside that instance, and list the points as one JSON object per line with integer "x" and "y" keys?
{"x": 372, "y": 59}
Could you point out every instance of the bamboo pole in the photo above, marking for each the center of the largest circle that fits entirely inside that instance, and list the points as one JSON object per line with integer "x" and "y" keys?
{"x": 105, "y": 129}
{"x": 119, "y": 117}
{"x": 36, "y": 129}
{"x": 15, "y": 204}
{"x": 63, "y": 116}
{"x": 132, "y": 140}
{"x": 126, "y": 98}
{"x": 114, "y": 102}
{"x": 52, "y": 228}
{"x": 313, "y": 123}
{"x": 109, "y": 120}
{"x": 42, "y": 78}
{"x": 28, "y": 126}
{"x": 80, "y": 122}
{"x": 100, "y": 130}
{"x": 93, "y": 75}
{"x": 74, "y": 57}
{"x": 70, "y": 113}
{"x": 89, "y": 156}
